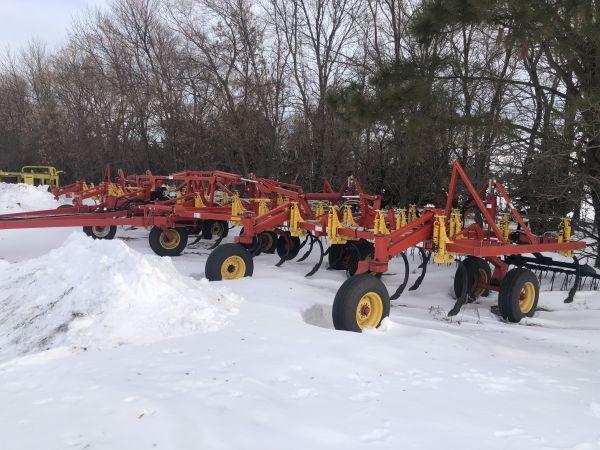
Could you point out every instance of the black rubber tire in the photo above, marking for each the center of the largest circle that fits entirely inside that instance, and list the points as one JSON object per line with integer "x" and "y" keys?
{"x": 94, "y": 235}
{"x": 212, "y": 269}
{"x": 510, "y": 291}
{"x": 159, "y": 249}
{"x": 348, "y": 296}
{"x": 335, "y": 257}
{"x": 268, "y": 241}
{"x": 209, "y": 229}
{"x": 473, "y": 265}
{"x": 354, "y": 252}
{"x": 288, "y": 246}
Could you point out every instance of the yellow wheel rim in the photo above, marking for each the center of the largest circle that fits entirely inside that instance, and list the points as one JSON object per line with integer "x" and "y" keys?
{"x": 369, "y": 310}
{"x": 233, "y": 268}
{"x": 170, "y": 240}
{"x": 216, "y": 229}
{"x": 483, "y": 278}
{"x": 527, "y": 297}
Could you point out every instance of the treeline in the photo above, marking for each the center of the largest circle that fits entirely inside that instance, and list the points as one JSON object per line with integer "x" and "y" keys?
{"x": 301, "y": 90}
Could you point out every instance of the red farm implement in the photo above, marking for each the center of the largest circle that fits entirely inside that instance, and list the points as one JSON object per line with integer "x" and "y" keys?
{"x": 363, "y": 239}
{"x": 175, "y": 206}
{"x": 143, "y": 201}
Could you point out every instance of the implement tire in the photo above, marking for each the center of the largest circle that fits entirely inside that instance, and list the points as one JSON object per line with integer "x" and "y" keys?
{"x": 268, "y": 241}
{"x": 168, "y": 244}
{"x": 288, "y": 246}
{"x": 229, "y": 262}
{"x": 107, "y": 232}
{"x": 477, "y": 270}
{"x": 335, "y": 257}
{"x": 361, "y": 302}
{"x": 519, "y": 295}
{"x": 214, "y": 228}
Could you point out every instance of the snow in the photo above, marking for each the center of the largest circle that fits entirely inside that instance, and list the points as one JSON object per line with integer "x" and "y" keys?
{"x": 16, "y": 198}
{"x": 276, "y": 375}
{"x": 91, "y": 294}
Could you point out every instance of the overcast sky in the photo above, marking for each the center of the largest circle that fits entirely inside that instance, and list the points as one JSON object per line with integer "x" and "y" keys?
{"x": 47, "y": 20}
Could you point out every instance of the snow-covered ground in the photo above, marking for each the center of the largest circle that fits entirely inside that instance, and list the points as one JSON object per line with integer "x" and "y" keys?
{"x": 255, "y": 363}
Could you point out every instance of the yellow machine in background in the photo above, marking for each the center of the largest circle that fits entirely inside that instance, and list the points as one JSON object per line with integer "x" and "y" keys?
{"x": 33, "y": 175}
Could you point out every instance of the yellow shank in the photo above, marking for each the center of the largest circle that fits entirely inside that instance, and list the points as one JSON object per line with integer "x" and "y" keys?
{"x": 348, "y": 217}
{"x": 333, "y": 225}
{"x": 412, "y": 212}
{"x": 379, "y": 226}
{"x": 198, "y": 201}
{"x": 237, "y": 208}
{"x": 455, "y": 223}
{"x": 440, "y": 239}
{"x": 564, "y": 235}
{"x": 320, "y": 209}
{"x": 295, "y": 220}
{"x": 505, "y": 225}
{"x": 401, "y": 218}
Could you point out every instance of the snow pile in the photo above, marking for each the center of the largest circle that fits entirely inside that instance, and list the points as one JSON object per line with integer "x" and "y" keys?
{"x": 92, "y": 294}
{"x": 23, "y": 197}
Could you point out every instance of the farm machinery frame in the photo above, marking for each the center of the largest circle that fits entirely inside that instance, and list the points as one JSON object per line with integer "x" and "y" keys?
{"x": 363, "y": 238}
{"x": 375, "y": 237}
{"x": 174, "y": 206}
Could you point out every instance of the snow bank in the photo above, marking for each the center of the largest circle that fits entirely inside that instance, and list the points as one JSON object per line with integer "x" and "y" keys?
{"x": 92, "y": 294}
{"x": 23, "y": 197}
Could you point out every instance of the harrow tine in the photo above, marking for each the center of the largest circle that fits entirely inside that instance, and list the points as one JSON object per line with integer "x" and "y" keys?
{"x": 318, "y": 265}
{"x": 281, "y": 261}
{"x": 401, "y": 288}
{"x": 460, "y": 301}
{"x": 423, "y": 266}
{"x": 309, "y": 235}
{"x": 573, "y": 290}
{"x": 216, "y": 244}
{"x": 284, "y": 258}
{"x": 310, "y": 248}
{"x": 198, "y": 239}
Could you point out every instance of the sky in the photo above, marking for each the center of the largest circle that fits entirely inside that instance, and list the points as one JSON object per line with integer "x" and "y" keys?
{"x": 45, "y": 20}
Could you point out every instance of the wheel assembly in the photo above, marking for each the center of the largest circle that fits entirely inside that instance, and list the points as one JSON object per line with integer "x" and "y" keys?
{"x": 519, "y": 294}
{"x": 478, "y": 271}
{"x": 168, "y": 242}
{"x": 214, "y": 228}
{"x": 361, "y": 302}
{"x": 101, "y": 232}
{"x": 335, "y": 257}
{"x": 268, "y": 241}
{"x": 288, "y": 246}
{"x": 229, "y": 262}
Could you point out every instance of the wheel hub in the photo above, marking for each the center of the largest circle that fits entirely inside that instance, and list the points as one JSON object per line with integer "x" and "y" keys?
{"x": 170, "y": 239}
{"x": 233, "y": 268}
{"x": 527, "y": 297}
{"x": 369, "y": 310}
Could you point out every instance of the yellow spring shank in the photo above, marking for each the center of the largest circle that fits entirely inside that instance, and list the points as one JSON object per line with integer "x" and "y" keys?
{"x": 333, "y": 225}
{"x": 564, "y": 235}
{"x": 348, "y": 217}
{"x": 401, "y": 221}
{"x": 379, "y": 225}
{"x": 455, "y": 224}
{"x": 440, "y": 239}
{"x": 295, "y": 220}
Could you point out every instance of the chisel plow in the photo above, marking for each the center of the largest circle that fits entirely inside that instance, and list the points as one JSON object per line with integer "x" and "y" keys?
{"x": 363, "y": 239}
{"x": 174, "y": 207}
